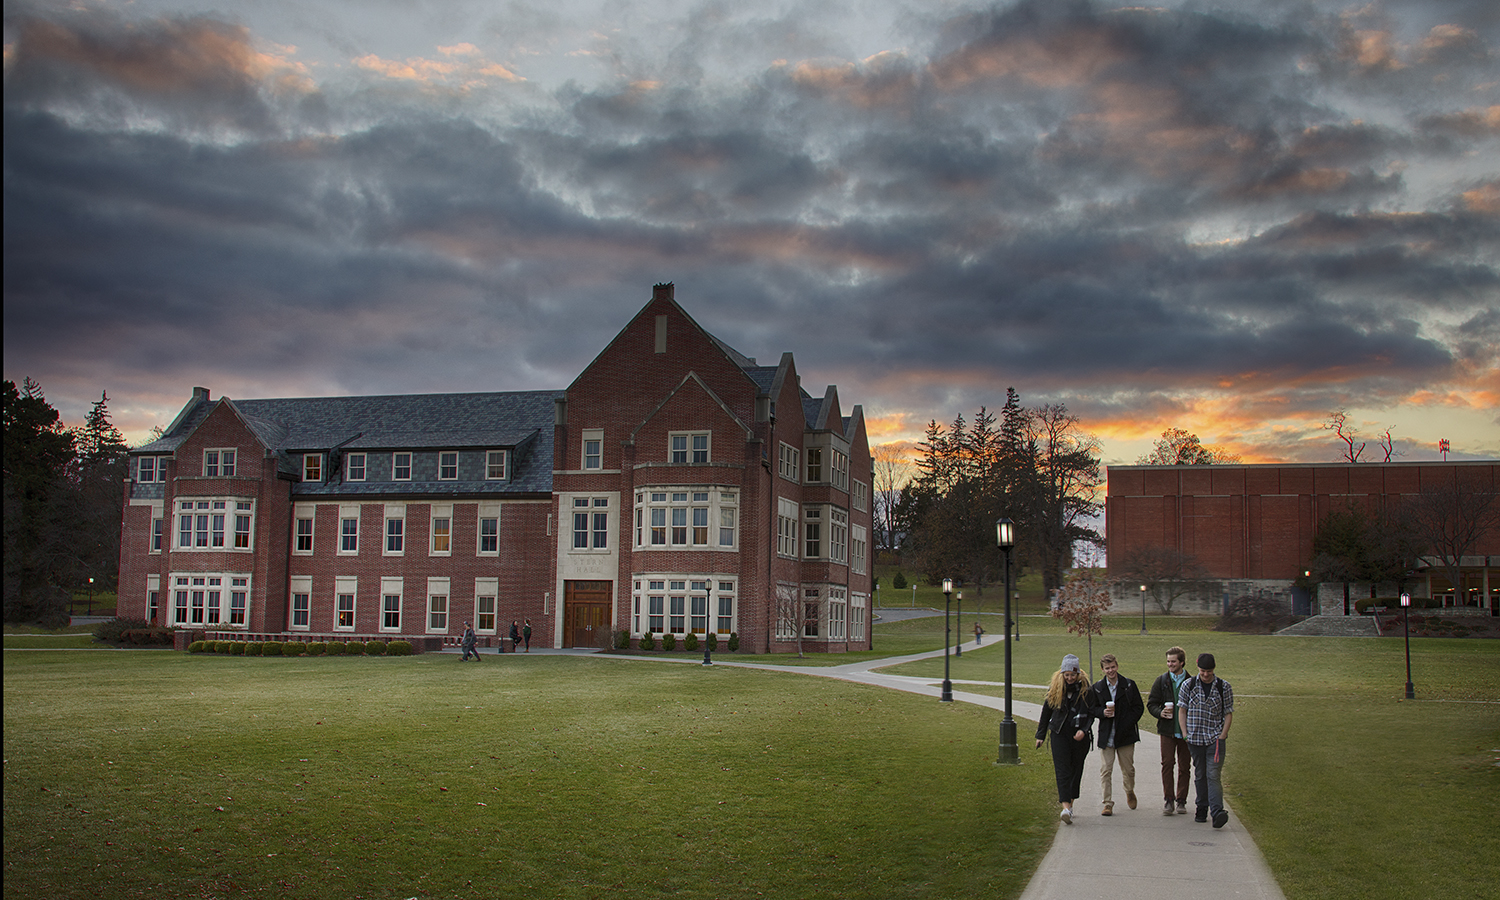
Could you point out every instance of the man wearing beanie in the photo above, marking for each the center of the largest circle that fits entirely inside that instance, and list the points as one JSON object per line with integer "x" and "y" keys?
{"x": 1205, "y": 710}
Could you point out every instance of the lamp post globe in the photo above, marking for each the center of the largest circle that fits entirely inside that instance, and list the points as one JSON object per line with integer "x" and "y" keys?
{"x": 1005, "y": 539}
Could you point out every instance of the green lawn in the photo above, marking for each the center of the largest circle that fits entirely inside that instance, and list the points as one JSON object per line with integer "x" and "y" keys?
{"x": 152, "y": 773}
{"x": 1340, "y": 780}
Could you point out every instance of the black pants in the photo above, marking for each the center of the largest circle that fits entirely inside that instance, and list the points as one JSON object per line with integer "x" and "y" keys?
{"x": 1067, "y": 759}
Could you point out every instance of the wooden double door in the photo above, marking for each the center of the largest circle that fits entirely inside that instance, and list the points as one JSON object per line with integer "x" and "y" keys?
{"x": 586, "y": 613}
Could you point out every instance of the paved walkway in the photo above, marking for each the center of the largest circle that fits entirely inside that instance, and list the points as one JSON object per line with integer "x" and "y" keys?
{"x": 1136, "y": 854}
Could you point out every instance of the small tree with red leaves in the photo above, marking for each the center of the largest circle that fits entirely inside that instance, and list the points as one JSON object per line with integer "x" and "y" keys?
{"x": 1082, "y": 603}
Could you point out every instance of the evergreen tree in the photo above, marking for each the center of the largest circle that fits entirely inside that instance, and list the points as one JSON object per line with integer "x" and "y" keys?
{"x": 38, "y": 455}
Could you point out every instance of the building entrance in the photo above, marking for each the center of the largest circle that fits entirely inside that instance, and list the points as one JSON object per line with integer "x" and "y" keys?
{"x": 586, "y": 613}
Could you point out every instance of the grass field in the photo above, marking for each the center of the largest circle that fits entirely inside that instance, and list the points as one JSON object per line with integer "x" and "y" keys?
{"x": 1343, "y": 783}
{"x": 151, "y": 773}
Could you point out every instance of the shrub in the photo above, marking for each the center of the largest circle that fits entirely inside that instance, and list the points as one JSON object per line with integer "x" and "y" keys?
{"x": 622, "y": 639}
{"x": 398, "y": 648}
{"x": 1255, "y": 615}
{"x": 375, "y": 648}
{"x": 198, "y": 646}
{"x": 734, "y": 641}
{"x": 293, "y": 648}
{"x": 713, "y": 641}
{"x": 669, "y": 641}
{"x": 355, "y": 648}
{"x": 110, "y": 632}
{"x": 899, "y": 582}
{"x": 271, "y": 648}
{"x": 158, "y": 637}
{"x": 220, "y": 647}
{"x": 334, "y": 648}
{"x": 316, "y": 648}
{"x": 648, "y": 642}
{"x": 255, "y": 648}
{"x": 237, "y": 648}
{"x": 690, "y": 642}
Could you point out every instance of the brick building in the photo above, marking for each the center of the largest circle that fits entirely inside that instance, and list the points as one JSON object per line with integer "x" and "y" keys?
{"x": 1251, "y": 527}
{"x": 674, "y": 487}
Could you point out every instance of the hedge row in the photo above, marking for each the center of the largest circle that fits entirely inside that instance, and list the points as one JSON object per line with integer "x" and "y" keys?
{"x": 300, "y": 648}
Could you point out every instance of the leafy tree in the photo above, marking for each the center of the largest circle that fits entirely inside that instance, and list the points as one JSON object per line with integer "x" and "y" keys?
{"x": 1176, "y": 447}
{"x": 1356, "y": 544}
{"x": 1167, "y": 574}
{"x": 1082, "y": 603}
{"x": 1064, "y": 490}
{"x": 38, "y": 455}
{"x": 1448, "y": 520}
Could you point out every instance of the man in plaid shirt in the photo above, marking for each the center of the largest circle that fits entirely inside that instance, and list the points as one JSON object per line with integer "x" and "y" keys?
{"x": 1205, "y": 709}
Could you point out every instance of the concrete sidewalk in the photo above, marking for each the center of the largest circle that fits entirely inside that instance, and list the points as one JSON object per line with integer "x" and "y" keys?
{"x": 1136, "y": 854}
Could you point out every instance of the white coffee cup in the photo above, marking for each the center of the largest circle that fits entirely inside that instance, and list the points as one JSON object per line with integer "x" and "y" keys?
{"x": 1166, "y": 708}
{"x": 1109, "y": 707}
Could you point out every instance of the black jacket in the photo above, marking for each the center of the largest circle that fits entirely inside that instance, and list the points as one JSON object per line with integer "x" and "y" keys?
{"x": 1128, "y": 711}
{"x": 1068, "y": 719}
{"x": 1161, "y": 693}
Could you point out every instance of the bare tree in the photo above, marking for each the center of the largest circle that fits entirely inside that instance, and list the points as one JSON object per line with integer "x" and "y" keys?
{"x": 1338, "y": 423}
{"x": 1167, "y": 574}
{"x": 1082, "y": 603}
{"x": 799, "y": 614}
{"x": 1065, "y": 493}
{"x": 1449, "y": 519}
{"x": 892, "y": 472}
{"x": 1388, "y": 445}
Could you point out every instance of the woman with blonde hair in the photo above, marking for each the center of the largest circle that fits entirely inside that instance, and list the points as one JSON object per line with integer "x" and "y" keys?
{"x": 1068, "y": 715}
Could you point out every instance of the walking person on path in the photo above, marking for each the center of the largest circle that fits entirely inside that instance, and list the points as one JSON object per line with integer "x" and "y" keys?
{"x": 526, "y": 634}
{"x": 1162, "y": 704}
{"x": 1067, "y": 715}
{"x": 515, "y": 637}
{"x": 1206, "y": 710}
{"x": 468, "y": 642}
{"x": 1122, "y": 707}
{"x": 978, "y": 633}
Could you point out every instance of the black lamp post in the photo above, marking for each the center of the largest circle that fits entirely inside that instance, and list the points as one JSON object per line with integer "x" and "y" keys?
{"x": 947, "y": 696}
{"x": 958, "y": 625}
{"x": 1005, "y": 537}
{"x": 91, "y": 595}
{"x": 1411, "y": 693}
{"x": 708, "y": 622}
{"x": 1143, "y": 609}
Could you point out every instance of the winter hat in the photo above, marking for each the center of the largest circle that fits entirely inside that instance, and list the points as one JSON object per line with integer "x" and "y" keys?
{"x": 1206, "y": 661}
{"x": 1070, "y": 663}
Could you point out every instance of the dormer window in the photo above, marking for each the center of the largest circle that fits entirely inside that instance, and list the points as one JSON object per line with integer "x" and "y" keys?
{"x": 689, "y": 448}
{"x": 218, "y": 463}
{"x": 495, "y": 465}
{"x": 312, "y": 467}
{"x": 448, "y": 465}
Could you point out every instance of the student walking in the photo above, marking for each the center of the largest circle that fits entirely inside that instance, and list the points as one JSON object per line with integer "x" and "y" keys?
{"x": 526, "y": 635}
{"x": 1206, "y": 712}
{"x": 468, "y": 642}
{"x": 515, "y": 637}
{"x": 1067, "y": 715}
{"x": 1162, "y": 704}
{"x": 1122, "y": 706}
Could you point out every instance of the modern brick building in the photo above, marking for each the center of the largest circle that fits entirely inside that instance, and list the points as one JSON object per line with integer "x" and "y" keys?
{"x": 675, "y": 487}
{"x": 1251, "y": 527}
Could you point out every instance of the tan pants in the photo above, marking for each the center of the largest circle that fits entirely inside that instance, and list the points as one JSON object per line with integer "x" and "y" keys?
{"x": 1126, "y": 755}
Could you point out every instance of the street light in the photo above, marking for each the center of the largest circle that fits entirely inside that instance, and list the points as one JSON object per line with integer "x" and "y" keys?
{"x": 708, "y": 620}
{"x": 1005, "y": 537}
{"x": 1143, "y": 609}
{"x": 958, "y": 625}
{"x": 1411, "y": 694}
{"x": 947, "y": 696}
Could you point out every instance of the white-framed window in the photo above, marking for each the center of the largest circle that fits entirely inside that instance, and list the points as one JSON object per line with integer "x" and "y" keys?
{"x": 395, "y": 529}
{"x": 312, "y": 467}
{"x": 859, "y": 548}
{"x": 812, "y": 610}
{"x": 788, "y": 463}
{"x": 354, "y": 467}
{"x": 441, "y": 542}
{"x": 495, "y": 465}
{"x": 448, "y": 465}
{"x": 202, "y": 523}
{"x": 724, "y": 603}
{"x": 687, "y": 517}
{"x": 390, "y": 604}
{"x": 349, "y": 530}
{"x": 814, "y": 464}
{"x": 677, "y": 606}
{"x": 858, "y": 603}
{"x": 437, "y": 605}
{"x": 301, "y": 590}
{"x": 158, "y": 531}
{"x": 812, "y": 531}
{"x": 489, "y": 530}
{"x": 200, "y": 598}
{"x": 861, "y": 496}
{"x": 838, "y": 535}
{"x": 788, "y": 516}
{"x": 153, "y": 598}
{"x": 667, "y": 602}
{"x": 840, "y": 470}
{"x": 486, "y": 590}
{"x": 593, "y": 448}
{"x": 146, "y": 470}
{"x": 689, "y": 447}
{"x": 838, "y": 612}
{"x": 218, "y": 463}
{"x": 302, "y": 531}
{"x": 401, "y": 466}
{"x": 590, "y": 523}
{"x": 346, "y": 594}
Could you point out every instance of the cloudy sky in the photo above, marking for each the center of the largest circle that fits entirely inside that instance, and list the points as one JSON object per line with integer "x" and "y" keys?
{"x": 1227, "y": 217}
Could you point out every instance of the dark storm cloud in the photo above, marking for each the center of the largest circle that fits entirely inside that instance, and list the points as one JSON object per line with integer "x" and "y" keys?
{"x": 1111, "y": 207}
